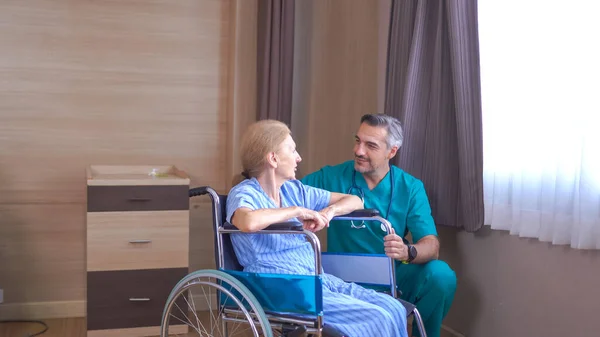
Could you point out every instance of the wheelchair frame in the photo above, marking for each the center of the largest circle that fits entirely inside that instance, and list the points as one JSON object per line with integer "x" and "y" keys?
{"x": 313, "y": 326}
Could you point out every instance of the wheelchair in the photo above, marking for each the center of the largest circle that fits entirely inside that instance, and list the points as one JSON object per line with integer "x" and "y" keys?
{"x": 229, "y": 302}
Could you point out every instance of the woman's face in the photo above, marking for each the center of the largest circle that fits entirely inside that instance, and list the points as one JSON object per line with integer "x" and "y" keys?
{"x": 288, "y": 159}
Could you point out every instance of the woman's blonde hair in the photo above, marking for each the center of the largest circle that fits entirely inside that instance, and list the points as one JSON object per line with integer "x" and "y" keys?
{"x": 259, "y": 139}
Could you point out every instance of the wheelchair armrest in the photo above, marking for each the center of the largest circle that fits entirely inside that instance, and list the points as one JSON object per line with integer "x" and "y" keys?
{"x": 282, "y": 226}
{"x": 360, "y": 213}
{"x": 288, "y": 227}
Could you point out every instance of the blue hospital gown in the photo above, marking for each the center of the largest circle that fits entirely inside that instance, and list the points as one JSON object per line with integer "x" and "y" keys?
{"x": 350, "y": 308}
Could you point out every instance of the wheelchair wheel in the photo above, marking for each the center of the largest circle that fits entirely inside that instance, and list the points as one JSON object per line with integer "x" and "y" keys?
{"x": 194, "y": 308}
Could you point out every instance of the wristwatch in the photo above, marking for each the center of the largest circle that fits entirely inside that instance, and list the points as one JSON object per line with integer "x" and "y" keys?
{"x": 412, "y": 253}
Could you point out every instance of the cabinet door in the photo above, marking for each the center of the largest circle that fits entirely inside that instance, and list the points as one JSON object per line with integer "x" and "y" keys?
{"x": 137, "y": 240}
{"x": 129, "y": 298}
{"x": 137, "y": 198}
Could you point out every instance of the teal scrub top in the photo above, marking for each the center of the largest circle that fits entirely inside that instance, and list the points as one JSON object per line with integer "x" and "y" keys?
{"x": 409, "y": 212}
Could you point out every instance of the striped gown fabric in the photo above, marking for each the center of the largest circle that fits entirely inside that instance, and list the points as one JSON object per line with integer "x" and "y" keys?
{"x": 350, "y": 308}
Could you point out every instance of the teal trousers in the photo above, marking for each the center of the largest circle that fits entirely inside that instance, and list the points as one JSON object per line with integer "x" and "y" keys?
{"x": 431, "y": 288}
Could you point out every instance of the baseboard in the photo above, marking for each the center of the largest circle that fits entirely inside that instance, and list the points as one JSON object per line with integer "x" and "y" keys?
{"x": 452, "y": 331}
{"x": 60, "y": 309}
{"x": 142, "y": 331}
{"x": 42, "y": 310}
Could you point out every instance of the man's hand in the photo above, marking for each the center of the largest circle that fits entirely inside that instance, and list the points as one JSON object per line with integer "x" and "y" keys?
{"x": 312, "y": 220}
{"x": 395, "y": 247}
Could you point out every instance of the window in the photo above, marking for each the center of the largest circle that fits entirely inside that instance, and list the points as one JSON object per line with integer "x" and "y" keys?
{"x": 540, "y": 78}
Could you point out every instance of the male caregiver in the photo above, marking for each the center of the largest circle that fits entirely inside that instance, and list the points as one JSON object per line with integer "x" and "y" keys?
{"x": 400, "y": 198}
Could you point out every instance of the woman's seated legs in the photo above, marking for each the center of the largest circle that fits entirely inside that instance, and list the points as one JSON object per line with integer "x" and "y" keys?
{"x": 361, "y": 312}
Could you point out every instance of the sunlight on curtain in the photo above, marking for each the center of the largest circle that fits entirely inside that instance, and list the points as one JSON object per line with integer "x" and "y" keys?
{"x": 540, "y": 79}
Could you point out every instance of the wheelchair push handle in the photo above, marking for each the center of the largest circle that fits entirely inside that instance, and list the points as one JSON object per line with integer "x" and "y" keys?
{"x": 198, "y": 191}
{"x": 367, "y": 215}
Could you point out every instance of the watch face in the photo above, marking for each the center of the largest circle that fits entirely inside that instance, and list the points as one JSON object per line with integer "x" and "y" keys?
{"x": 412, "y": 252}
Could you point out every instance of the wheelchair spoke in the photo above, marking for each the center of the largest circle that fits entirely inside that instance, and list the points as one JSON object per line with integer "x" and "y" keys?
{"x": 233, "y": 314}
{"x": 194, "y": 306}
{"x": 212, "y": 318}
{"x": 237, "y": 326}
{"x": 244, "y": 331}
{"x": 188, "y": 323}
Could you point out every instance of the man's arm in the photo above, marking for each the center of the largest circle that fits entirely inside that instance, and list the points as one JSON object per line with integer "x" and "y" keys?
{"x": 428, "y": 248}
{"x": 422, "y": 228}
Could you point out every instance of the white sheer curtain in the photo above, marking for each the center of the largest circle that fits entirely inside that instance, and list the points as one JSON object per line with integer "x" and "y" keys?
{"x": 540, "y": 74}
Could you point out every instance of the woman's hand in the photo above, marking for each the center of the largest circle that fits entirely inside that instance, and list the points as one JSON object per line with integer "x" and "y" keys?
{"x": 328, "y": 213}
{"x": 312, "y": 220}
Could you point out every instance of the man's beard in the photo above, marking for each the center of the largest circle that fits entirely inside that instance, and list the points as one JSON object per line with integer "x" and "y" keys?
{"x": 362, "y": 169}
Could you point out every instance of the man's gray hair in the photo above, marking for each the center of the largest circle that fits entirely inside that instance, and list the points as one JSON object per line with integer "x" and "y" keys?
{"x": 392, "y": 125}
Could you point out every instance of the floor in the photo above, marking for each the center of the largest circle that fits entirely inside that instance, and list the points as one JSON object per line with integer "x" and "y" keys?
{"x": 71, "y": 327}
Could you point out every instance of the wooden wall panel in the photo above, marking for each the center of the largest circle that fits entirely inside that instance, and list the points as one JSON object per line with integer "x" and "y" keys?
{"x": 101, "y": 82}
{"x": 142, "y": 82}
{"x": 116, "y": 82}
{"x": 42, "y": 252}
{"x": 336, "y": 76}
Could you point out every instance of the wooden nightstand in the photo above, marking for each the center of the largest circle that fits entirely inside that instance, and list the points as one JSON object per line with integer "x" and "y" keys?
{"x": 137, "y": 246}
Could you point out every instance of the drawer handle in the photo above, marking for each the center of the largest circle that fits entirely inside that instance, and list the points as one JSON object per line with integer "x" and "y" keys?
{"x": 139, "y": 199}
{"x": 139, "y": 299}
{"x": 140, "y": 241}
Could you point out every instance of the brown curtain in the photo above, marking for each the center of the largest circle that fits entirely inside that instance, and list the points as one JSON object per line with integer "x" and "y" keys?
{"x": 275, "y": 61}
{"x": 433, "y": 87}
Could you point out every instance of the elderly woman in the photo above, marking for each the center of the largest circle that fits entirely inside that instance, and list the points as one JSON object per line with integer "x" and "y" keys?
{"x": 269, "y": 194}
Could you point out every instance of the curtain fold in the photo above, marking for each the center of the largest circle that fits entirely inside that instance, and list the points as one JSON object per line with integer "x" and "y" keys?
{"x": 275, "y": 59}
{"x": 433, "y": 87}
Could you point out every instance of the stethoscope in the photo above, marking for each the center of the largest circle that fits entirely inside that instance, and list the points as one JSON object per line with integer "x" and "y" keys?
{"x": 361, "y": 195}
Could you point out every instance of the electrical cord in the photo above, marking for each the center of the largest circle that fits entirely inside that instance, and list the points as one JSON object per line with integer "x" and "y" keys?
{"x": 29, "y": 321}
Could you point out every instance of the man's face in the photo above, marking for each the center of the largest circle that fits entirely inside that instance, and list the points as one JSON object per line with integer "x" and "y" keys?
{"x": 371, "y": 152}
{"x": 288, "y": 159}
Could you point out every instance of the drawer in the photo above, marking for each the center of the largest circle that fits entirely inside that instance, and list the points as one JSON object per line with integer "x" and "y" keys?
{"x": 129, "y": 299}
{"x": 137, "y": 240}
{"x": 137, "y": 198}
